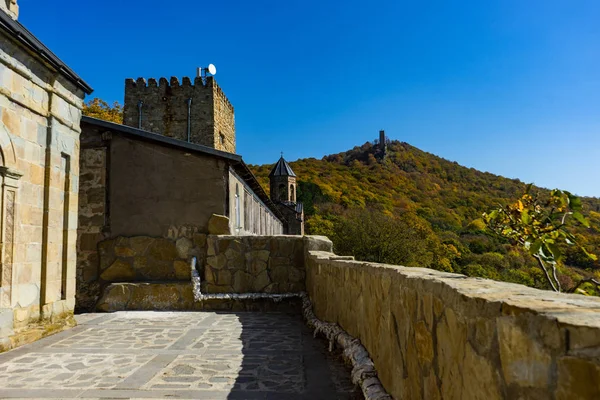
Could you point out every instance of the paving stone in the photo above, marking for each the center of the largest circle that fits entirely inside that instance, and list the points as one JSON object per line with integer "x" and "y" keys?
{"x": 178, "y": 354}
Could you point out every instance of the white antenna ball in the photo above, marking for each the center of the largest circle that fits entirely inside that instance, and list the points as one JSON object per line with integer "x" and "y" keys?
{"x": 212, "y": 69}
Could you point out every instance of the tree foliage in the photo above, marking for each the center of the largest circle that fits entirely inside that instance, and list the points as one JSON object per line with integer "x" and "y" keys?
{"x": 100, "y": 109}
{"x": 405, "y": 239}
{"x": 445, "y": 200}
{"x": 540, "y": 227}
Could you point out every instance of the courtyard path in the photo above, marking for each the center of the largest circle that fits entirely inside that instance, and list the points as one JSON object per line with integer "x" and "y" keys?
{"x": 177, "y": 355}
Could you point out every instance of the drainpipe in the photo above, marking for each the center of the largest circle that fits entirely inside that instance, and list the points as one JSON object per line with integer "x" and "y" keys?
{"x": 140, "y": 104}
{"x": 189, "y": 121}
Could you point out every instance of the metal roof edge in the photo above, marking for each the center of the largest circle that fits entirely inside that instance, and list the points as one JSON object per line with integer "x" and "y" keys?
{"x": 155, "y": 137}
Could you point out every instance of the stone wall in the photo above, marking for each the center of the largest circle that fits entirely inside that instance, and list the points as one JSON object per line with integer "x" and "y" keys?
{"x": 435, "y": 335}
{"x": 431, "y": 335}
{"x": 133, "y": 270}
{"x": 154, "y": 188}
{"x": 165, "y": 110}
{"x": 91, "y": 223}
{"x": 247, "y": 264}
{"x": 147, "y": 259}
{"x": 142, "y": 259}
{"x": 40, "y": 112}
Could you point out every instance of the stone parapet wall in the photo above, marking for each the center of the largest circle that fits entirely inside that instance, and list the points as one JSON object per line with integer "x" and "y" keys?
{"x": 141, "y": 259}
{"x": 437, "y": 335}
{"x": 133, "y": 270}
{"x": 144, "y": 259}
{"x": 261, "y": 264}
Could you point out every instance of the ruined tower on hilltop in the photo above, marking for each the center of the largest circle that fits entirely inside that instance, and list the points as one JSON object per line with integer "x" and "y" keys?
{"x": 199, "y": 113}
{"x": 284, "y": 194}
{"x": 381, "y": 146}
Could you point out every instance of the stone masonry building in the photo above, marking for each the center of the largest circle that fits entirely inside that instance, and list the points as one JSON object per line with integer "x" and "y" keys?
{"x": 40, "y": 109}
{"x": 155, "y": 183}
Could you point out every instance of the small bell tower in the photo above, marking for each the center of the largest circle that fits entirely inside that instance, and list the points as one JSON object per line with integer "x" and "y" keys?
{"x": 283, "y": 182}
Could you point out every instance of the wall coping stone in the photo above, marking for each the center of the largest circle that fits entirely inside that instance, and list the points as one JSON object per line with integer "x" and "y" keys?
{"x": 566, "y": 308}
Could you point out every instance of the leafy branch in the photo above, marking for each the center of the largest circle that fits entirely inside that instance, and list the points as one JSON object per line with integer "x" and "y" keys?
{"x": 540, "y": 226}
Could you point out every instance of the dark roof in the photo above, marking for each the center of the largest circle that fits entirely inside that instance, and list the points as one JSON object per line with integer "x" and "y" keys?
{"x": 235, "y": 160}
{"x": 297, "y": 207}
{"x": 282, "y": 168}
{"x": 28, "y": 40}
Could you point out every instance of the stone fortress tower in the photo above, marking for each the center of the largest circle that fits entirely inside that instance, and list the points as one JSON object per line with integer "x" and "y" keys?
{"x": 199, "y": 113}
{"x": 284, "y": 194}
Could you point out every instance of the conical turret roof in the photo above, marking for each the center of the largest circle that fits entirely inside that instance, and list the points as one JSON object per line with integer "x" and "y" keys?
{"x": 282, "y": 168}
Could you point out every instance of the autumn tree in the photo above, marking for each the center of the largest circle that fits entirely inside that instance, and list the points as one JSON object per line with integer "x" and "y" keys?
{"x": 542, "y": 227}
{"x": 98, "y": 108}
{"x": 371, "y": 235}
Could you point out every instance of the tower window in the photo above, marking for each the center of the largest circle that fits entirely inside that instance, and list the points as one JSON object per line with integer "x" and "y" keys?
{"x": 283, "y": 196}
{"x": 221, "y": 139}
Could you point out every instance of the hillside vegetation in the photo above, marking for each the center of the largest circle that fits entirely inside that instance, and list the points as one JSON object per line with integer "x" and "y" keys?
{"x": 416, "y": 209}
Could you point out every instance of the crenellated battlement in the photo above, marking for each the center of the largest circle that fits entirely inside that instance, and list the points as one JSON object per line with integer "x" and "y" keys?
{"x": 173, "y": 83}
{"x": 163, "y": 106}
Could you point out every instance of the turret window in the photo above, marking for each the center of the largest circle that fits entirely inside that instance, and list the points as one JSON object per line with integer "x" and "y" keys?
{"x": 283, "y": 192}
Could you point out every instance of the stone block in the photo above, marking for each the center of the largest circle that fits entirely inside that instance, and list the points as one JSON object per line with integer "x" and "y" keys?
{"x": 6, "y": 322}
{"x": 296, "y": 275}
{"x": 119, "y": 271}
{"x": 163, "y": 250}
{"x": 121, "y": 251}
{"x": 424, "y": 344}
{"x": 156, "y": 270}
{"x": 217, "y": 262}
{"x": 317, "y": 243}
{"x": 280, "y": 273}
{"x": 116, "y": 297}
{"x": 199, "y": 240}
{"x": 218, "y": 225}
{"x": 256, "y": 266}
{"x": 242, "y": 282}
{"x": 140, "y": 244}
{"x": 524, "y": 361}
{"x": 183, "y": 270}
{"x": 261, "y": 281}
{"x": 147, "y": 296}
{"x": 183, "y": 247}
{"x": 286, "y": 246}
{"x": 578, "y": 379}
{"x": 224, "y": 278}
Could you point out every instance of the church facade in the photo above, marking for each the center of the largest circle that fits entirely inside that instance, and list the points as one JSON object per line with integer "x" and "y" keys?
{"x": 40, "y": 108}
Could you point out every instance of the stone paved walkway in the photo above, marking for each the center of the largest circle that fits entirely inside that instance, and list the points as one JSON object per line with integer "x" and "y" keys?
{"x": 177, "y": 355}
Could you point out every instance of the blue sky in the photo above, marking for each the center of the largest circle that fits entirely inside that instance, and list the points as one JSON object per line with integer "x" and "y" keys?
{"x": 510, "y": 87}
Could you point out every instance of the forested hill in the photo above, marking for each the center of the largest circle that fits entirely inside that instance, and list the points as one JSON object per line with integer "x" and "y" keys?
{"x": 438, "y": 201}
